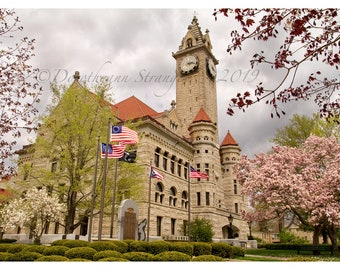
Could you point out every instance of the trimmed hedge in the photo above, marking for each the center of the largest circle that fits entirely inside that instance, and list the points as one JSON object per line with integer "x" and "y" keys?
{"x": 113, "y": 259}
{"x": 123, "y": 246}
{"x": 103, "y": 245}
{"x": 156, "y": 247}
{"x": 71, "y": 243}
{"x": 15, "y": 248}
{"x": 172, "y": 256}
{"x": 138, "y": 246}
{"x": 237, "y": 252}
{"x": 7, "y": 240}
{"x": 184, "y": 247}
{"x": 222, "y": 250}
{"x": 138, "y": 256}
{"x": 55, "y": 250}
{"x": 202, "y": 248}
{"x": 25, "y": 256}
{"x": 81, "y": 252}
{"x": 52, "y": 258}
{"x": 106, "y": 253}
{"x": 35, "y": 248}
{"x": 207, "y": 258}
{"x": 5, "y": 256}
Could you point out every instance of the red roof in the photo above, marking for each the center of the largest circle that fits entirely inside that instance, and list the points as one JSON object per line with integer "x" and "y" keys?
{"x": 201, "y": 116}
{"x": 131, "y": 108}
{"x": 229, "y": 140}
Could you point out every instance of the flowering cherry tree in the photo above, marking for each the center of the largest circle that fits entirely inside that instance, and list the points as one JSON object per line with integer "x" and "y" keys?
{"x": 304, "y": 181}
{"x": 308, "y": 39}
{"x": 34, "y": 210}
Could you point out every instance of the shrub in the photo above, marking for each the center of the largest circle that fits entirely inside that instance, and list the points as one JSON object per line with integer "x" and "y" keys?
{"x": 3, "y": 247}
{"x": 7, "y": 240}
{"x": 81, "y": 252}
{"x": 221, "y": 249}
{"x": 35, "y": 248}
{"x": 138, "y": 246}
{"x": 288, "y": 237}
{"x": 75, "y": 243}
{"x": 156, "y": 247}
{"x": 15, "y": 248}
{"x": 237, "y": 252}
{"x": 25, "y": 256}
{"x": 138, "y": 256}
{"x": 80, "y": 260}
{"x": 201, "y": 248}
{"x": 5, "y": 256}
{"x": 52, "y": 258}
{"x": 113, "y": 259}
{"x": 172, "y": 256}
{"x": 59, "y": 242}
{"x": 106, "y": 253}
{"x": 55, "y": 250}
{"x": 201, "y": 230}
{"x": 207, "y": 258}
{"x": 184, "y": 247}
{"x": 123, "y": 246}
{"x": 103, "y": 245}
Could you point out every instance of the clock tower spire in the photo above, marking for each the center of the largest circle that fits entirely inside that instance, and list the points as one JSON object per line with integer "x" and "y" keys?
{"x": 195, "y": 77}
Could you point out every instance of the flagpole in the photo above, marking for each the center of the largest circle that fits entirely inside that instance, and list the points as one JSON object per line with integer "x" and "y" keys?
{"x": 104, "y": 183}
{"x": 149, "y": 202}
{"x": 94, "y": 191}
{"x": 114, "y": 199}
{"x": 189, "y": 206}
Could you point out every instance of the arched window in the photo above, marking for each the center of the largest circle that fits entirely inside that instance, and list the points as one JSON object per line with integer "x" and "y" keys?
{"x": 172, "y": 196}
{"x": 184, "y": 203}
{"x": 159, "y": 194}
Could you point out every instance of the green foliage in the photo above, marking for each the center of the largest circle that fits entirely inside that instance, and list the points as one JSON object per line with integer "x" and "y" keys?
{"x": 122, "y": 246}
{"x": 25, "y": 256}
{"x": 52, "y": 258}
{"x": 138, "y": 246}
{"x": 103, "y": 245}
{"x": 72, "y": 243}
{"x": 3, "y": 247}
{"x": 5, "y": 256}
{"x": 81, "y": 252}
{"x": 302, "y": 259}
{"x": 55, "y": 250}
{"x": 15, "y": 248}
{"x": 207, "y": 258}
{"x": 288, "y": 237}
{"x": 6, "y": 240}
{"x": 138, "y": 256}
{"x": 201, "y": 230}
{"x": 184, "y": 247}
{"x": 201, "y": 248}
{"x": 170, "y": 256}
{"x": 113, "y": 259}
{"x": 237, "y": 251}
{"x": 222, "y": 250}
{"x": 106, "y": 253}
{"x": 156, "y": 247}
{"x": 35, "y": 248}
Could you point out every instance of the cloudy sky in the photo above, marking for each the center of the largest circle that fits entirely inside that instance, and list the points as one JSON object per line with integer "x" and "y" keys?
{"x": 134, "y": 48}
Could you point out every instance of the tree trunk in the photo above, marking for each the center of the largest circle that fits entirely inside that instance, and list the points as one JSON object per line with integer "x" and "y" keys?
{"x": 333, "y": 236}
{"x": 316, "y": 234}
{"x": 71, "y": 213}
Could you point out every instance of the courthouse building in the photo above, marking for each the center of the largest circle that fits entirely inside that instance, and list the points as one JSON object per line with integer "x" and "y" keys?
{"x": 186, "y": 134}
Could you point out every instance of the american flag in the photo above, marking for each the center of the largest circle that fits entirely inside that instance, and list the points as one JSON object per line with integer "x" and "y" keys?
{"x": 196, "y": 174}
{"x": 124, "y": 135}
{"x": 114, "y": 151}
{"x": 155, "y": 174}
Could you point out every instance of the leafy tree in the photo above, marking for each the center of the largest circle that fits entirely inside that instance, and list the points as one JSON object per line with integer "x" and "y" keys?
{"x": 20, "y": 91}
{"x": 304, "y": 181}
{"x": 306, "y": 37}
{"x": 68, "y": 139}
{"x": 301, "y": 127}
{"x": 201, "y": 230}
{"x": 34, "y": 210}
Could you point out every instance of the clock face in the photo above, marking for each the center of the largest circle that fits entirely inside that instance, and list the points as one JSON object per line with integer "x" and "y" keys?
{"x": 211, "y": 68}
{"x": 189, "y": 64}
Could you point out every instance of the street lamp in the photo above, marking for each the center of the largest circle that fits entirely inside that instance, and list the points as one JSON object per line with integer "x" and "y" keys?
{"x": 230, "y": 231}
{"x": 249, "y": 225}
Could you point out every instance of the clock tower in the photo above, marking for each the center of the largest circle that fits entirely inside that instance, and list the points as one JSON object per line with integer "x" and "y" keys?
{"x": 195, "y": 77}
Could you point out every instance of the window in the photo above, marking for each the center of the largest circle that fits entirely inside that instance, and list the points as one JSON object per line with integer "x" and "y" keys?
{"x": 165, "y": 161}
{"x": 184, "y": 203}
{"x": 54, "y": 166}
{"x": 159, "y": 226}
{"x": 236, "y": 208}
{"x": 159, "y": 195}
{"x": 172, "y": 197}
{"x": 172, "y": 164}
{"x": 198, "y": 198}
{"x": 157, "y": 156}
{"x": 179, "y": 170}
{"x": 235, "y": 187}
{"x": 173, "y": 226}
{"x": 186, "y": 171}
{"x": 207, "y": 198}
